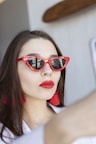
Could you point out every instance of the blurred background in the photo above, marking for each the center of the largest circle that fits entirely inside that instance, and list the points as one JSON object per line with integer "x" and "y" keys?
{"x": 72, "y": 34}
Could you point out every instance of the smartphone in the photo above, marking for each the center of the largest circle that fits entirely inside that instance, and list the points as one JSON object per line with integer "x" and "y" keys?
{"x": 93, "y": 53}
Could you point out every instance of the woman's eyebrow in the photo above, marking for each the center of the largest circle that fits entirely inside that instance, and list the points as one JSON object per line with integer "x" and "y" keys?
{"x": 33, "y": 54}
{"x": 55, "y": 55}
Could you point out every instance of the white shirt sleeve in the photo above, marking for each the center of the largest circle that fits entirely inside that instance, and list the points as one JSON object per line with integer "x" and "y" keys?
{"x": 8, "y": 136}
{"x": 85, "y": 140}
{"x": 34, "y": 137}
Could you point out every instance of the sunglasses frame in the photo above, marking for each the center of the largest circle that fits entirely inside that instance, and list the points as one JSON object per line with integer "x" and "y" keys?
{"x": 25, "y": 59}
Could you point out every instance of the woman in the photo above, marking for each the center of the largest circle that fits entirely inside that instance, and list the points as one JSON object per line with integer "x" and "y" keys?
{"x": 32, "y": 77}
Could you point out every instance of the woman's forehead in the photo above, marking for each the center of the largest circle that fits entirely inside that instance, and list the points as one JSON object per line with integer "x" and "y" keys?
{"x": 39, "y": 46}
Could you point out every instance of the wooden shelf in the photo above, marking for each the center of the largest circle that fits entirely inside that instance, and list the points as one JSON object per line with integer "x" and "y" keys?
{"x": 65, "y": 8}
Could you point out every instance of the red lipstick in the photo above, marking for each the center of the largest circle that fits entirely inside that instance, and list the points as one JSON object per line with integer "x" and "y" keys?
{"x": 47, "y": 84}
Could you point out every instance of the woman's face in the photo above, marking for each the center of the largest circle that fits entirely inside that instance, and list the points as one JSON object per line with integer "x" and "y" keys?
{"x": 42, "y": 84}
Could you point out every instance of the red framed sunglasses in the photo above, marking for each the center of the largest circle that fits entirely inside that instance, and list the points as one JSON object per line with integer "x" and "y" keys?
{"x": 36, "y": 63}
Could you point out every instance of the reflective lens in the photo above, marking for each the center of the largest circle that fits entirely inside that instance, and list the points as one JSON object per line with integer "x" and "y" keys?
{"x": 36, "y": 63}
{"x": 58, "y": 63}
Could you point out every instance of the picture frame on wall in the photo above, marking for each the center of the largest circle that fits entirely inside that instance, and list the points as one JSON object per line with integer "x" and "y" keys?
{"x": 93, "y": 53}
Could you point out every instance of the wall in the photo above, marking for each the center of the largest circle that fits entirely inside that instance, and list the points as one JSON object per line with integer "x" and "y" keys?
{"x": 72, "y": 34}
{"x": 13, "y": 18}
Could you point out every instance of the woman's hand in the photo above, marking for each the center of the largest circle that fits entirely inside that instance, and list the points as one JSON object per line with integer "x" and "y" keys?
{"x": 74, "y": 122}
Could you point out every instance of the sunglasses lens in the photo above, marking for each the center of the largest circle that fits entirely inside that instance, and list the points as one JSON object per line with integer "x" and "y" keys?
{"x": 36, "y": 63}
{"x": 58, "y": 63}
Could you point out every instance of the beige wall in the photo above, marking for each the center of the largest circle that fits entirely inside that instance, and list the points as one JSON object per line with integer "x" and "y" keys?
{"x": 13, "y": 18}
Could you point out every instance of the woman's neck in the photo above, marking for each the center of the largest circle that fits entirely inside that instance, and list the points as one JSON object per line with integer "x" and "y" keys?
{"x": 36, "y": 112}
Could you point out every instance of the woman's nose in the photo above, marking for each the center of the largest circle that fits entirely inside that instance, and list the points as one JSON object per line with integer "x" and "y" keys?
{"x": 47, "y": 70}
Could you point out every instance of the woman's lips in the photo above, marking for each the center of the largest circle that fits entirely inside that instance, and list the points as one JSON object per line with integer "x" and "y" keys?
{"x": 47, "y": 84}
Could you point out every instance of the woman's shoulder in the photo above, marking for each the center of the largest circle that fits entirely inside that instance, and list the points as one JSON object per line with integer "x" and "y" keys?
{"x": 9, "y": 137}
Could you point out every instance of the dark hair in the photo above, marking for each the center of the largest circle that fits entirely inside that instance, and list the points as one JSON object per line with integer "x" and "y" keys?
{"x": 10, "y": 87}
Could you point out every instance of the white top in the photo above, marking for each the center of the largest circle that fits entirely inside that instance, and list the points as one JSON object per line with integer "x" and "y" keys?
{"x": 37, "y": 135}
